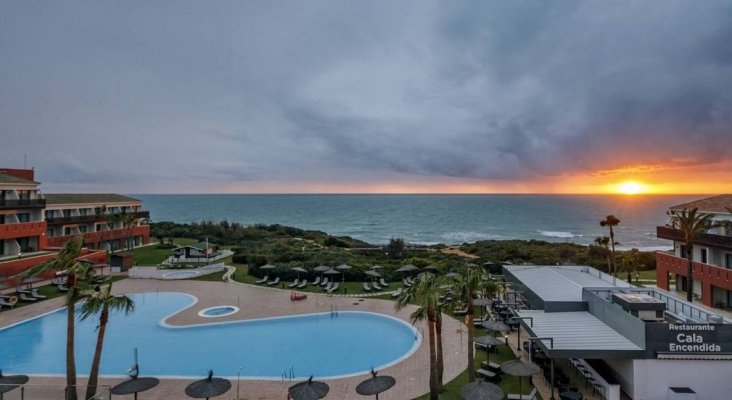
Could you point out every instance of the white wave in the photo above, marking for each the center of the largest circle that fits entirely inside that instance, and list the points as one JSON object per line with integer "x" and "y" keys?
{"x": 468, "y": 237}
{"x": 560, "y": 234}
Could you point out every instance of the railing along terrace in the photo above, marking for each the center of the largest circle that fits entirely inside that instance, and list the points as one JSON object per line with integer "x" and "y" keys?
{"x": 89, "y": 218}
{"x": 665, "y": 232}
{"x": 22, "y": 203}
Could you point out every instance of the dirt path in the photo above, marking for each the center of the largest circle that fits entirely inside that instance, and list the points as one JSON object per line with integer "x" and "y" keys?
{"x": 456, "y": 250}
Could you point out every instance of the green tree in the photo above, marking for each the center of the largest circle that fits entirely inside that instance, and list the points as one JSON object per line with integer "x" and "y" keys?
{"x": 425, "y": 294}
{"x": 67, "y": 261}
{"x": 601, "y": 245}
{"x": 691, "y": 223}
{"x": 395, "y": 248}
{"x": 611, "y": 221}
{"x": 467, "y": 287}
{"x": 100, "y": 300}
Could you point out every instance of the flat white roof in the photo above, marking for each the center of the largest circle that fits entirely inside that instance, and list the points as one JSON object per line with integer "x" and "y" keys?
{"x": 561, "y": 283}
{"x": 576, "y": 330}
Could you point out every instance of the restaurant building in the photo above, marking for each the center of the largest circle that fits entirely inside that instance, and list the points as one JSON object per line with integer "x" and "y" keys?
{"x": 643, "y": 343}
{"x": 711, "y": 253}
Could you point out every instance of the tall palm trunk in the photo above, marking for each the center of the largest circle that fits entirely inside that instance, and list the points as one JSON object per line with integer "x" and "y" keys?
{"x": 434, "y": 391}
{"x": 689, "y": 272}
{"x": 70, "y": 359}
{"x": 438, "y": 350}
{"x": 469, "y": 318}
{"x": 612, "y": 252}
{"x": 91, "y": 387}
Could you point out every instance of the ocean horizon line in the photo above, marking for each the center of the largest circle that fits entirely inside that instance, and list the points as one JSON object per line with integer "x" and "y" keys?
{"x": 427, "y": 194}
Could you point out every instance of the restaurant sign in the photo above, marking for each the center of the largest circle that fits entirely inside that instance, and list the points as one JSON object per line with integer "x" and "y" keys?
{"x": 692, "y": 338}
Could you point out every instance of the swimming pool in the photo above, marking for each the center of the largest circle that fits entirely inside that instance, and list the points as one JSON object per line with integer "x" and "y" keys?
{"x": 323, "y": 345}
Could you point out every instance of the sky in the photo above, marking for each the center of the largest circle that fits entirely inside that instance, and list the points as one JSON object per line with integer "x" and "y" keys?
{"x": 370, "y": 96}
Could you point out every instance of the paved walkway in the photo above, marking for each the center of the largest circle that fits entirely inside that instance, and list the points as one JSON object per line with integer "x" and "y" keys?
{"x": 412, "y": 375}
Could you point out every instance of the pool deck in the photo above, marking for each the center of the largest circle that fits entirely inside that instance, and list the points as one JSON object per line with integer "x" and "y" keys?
{"x": 412, "y": 374}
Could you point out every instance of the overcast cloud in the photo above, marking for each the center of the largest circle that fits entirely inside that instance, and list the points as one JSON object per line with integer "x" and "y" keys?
{"x": 174, "y": 96}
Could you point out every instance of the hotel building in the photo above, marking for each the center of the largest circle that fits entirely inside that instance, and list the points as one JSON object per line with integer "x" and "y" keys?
{"x": 627, "y": 342}
{"x": 711, "y": 254}
{"x": 33, "y": 226}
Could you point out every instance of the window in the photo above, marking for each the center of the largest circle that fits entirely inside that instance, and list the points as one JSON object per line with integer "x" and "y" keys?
{"x": 728, "y": 261}
{"x": 67, "y": 231}
{"x": 50, "y": 232}
{"x": 23, "y": 217}
{"x": 82, "y": 229}
{"x": 49, "y": 214}
{"x": 2, "y": 219}
{"x": 703, "y": 253}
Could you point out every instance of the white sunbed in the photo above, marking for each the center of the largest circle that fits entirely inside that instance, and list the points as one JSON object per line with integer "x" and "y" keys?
{"x": 324, "y": 282}
{"x": 5, "y": 301}
{"x": 328, "y": 286}
{"x": 366, "y": 287}
{"x": 295, "y": 283}
{"x": 397, "y": 293}
{"x": 406, "y": 283}
{"x": 274, "y": 282}
{"x": 62, "y": 288}
{"x": 516, "y": 396}
{"x": 375, "y": 286}
{"x": 333, "y": 288}
{"x": 302, "y": 284}
{"x": 316, "y": 282}
{"x": 263, "y": 280}
{"x": 34, "y": 293}
{"x": 26, "y": 297}
{"x": 383, "y": 282}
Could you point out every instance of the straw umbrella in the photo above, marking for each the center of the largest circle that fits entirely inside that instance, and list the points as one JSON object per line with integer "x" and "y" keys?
{"x": 482, "y": 302}
{"x": 321, "y": 269}
{"x": 331, "y": 271}
{"x": 375, "y": 266}
{"x": 299, "y": 269}
{"x": 481, "y": 390}
{"x": 10, "y": 382}
{"x": 308, "y": 390}
{"x": 495, "y": 326}
{"x": 209, "y": 387}
{"x": 487, "y": 341}
{"x": 520, "y": 368}
{"x": 344, "y": 267}
{"x": 135, "y": 385}
{"x": 268, "y": 266}
{"x": 375, "y": 385}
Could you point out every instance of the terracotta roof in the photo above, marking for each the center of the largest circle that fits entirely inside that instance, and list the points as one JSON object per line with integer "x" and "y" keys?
{"x": 716, "y": 204}
{"x": 14, "y": 179}
{"x": 97, "y": 198}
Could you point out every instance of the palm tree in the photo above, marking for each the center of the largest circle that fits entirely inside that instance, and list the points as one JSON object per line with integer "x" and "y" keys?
{"x": 691, "y": 224}
{"x": 128, "y": 221}
{"x": 67, "y": 260}
{"x": 100, "y": 300}
{"x": 101, "y": 212}
{"x": 610, "y": 221}
{"x": 425, "y": 294}
{"x": 469, "y": 283}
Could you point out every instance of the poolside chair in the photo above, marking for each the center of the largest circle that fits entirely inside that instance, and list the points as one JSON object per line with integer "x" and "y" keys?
{"x": 406, "y": 283}
{"x": 366, "y": 287}
{"x": 397, "y": 293}
{"x": 302, "y": 284}
{"x": 62, "y": 288}
{"x": 26, "y": 297}
{"x": 295, "y": 283}
{"x": 383, "y": 283}
{"x": 8, "y": 301}
{"x": 274, "y": 282}
{"x": 333, "y": 288}
{"x": 484, "y": 373}
{"x": 461, "y": 312}
{"x": 324, "y": 282}
{"x": 263, "y": 280}
{"x": 375, "y": 286}
{"x": 328, "y": 286}
{"x": 34, "y": 293}
{"x": 316, "y": 282}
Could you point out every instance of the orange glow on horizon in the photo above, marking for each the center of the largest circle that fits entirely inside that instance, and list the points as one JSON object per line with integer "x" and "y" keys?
{"x": 631, "y": 188}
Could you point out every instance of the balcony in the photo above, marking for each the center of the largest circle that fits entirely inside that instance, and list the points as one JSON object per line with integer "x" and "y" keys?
{"x": 101, "y": 236}
{"x": 22, "y": 203}
{"x": 23, "y": 229}
{"x": 704, "y": 239}
{"x": 87, "y": 219}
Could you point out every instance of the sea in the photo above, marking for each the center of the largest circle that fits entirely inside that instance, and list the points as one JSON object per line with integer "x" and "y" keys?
{"x": 432, "y": 219}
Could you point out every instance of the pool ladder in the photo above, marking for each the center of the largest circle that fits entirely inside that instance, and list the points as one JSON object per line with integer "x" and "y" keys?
{"x": 288, "y": 374}
{"x": 333, "y": 312}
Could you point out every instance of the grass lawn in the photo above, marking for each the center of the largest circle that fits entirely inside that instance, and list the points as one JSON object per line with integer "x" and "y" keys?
{"x": 151, "y": 255}
{"x": 509, "y": 384}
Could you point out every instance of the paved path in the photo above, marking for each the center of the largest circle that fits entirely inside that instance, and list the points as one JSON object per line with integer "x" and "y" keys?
{"x": 412, "y": 375}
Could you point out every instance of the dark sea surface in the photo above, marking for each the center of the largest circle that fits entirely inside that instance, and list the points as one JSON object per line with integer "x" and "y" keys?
{"x": 431, "y": 219}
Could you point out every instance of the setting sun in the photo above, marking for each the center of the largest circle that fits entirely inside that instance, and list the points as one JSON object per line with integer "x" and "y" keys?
{"x": 631, "y": 187}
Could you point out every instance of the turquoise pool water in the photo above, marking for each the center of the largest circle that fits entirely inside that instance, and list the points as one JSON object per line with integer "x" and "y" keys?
{"x": 319, "y": 344}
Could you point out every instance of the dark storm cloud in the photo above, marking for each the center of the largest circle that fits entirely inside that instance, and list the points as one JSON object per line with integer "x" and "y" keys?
{"x": 166, "y": 95}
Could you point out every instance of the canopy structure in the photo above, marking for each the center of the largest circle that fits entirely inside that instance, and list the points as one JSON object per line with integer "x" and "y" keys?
{"x": 375, "y": 385}
{"x": 308, "y": 390}
{"x": 481, "y": 390}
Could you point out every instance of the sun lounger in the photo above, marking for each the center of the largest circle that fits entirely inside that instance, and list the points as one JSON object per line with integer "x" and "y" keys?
{"x": 516, "y": 396}
{"x": 295, "y": 283}
{"x": 324, "y": 282}
{"x": 375, "y": 286}
{"x": 62, "y": 288}
{"x": 397, "y": 293}
{"x": 366, "y": 287}
{"x": 316, "y": 282}
{"x": 263, "y": 280}
{"x": 274, "y": 282}
{"x": 302, "y": 284}
{"x": 406, "y": 283}
{"x": 8, "y": 301}
{"x": 491, "y": 366}
{"x": 328, "y": 286}
{"x": 486, "y": 374}
{"x": 27, "y": 297}
{"x": 333, "y": 288}
{"x": 34, "y": 293}
{"x": 383, "y": 283}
